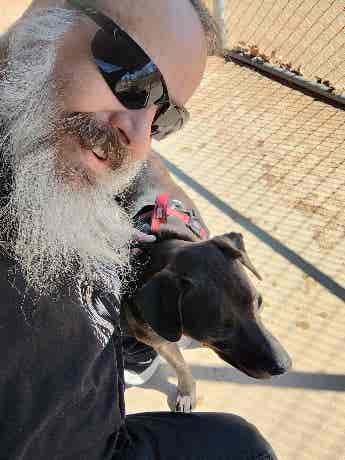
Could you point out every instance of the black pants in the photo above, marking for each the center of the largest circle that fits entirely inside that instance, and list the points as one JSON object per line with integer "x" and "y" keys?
{"x": 197, "y": 436}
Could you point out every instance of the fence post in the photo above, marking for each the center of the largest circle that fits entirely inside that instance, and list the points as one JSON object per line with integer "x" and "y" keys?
{"x": 219, "y": 14}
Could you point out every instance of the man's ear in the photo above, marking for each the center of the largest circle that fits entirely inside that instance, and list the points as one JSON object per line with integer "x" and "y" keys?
{"x": 159, "y": 302}
{"x": 233, "y": 244}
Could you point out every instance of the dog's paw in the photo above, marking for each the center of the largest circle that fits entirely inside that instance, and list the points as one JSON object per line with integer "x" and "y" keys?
{"x": 185, "y": 403}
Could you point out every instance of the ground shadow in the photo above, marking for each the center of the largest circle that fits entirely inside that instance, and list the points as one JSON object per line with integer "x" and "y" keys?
{"x": 293, "y": 379}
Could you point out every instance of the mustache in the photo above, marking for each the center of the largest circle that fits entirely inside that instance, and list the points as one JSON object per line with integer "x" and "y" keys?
{"x": 95, "y": 135}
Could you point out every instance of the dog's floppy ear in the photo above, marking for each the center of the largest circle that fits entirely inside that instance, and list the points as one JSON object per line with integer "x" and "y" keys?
{"x": 159, "y": 302}
{"x": 233, "y": 244}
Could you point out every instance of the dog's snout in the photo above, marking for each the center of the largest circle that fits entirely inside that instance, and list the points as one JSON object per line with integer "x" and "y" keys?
{"x": 255, "y": 351}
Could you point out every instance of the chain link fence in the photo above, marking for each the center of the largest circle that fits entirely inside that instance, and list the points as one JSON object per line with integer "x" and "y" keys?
{"x": 303, "y": 36}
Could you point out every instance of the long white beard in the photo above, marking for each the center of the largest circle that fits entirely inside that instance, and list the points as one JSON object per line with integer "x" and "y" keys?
{"x": 57, "y": 227}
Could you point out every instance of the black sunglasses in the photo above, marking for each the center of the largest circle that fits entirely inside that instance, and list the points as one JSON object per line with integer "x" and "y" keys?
{"x": 130, "y": 73}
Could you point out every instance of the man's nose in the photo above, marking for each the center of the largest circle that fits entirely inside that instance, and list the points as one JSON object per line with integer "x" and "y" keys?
{"x": 134, "y": 127}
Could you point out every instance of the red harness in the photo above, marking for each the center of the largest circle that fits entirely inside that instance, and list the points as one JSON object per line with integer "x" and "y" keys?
{"x": 161, "y": 210}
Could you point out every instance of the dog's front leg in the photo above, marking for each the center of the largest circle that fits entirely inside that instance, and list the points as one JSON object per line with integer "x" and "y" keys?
{"x": 186, "y": 387}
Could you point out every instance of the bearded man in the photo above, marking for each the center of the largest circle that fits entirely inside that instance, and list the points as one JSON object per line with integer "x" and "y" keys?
{"x": 82, "y": 93}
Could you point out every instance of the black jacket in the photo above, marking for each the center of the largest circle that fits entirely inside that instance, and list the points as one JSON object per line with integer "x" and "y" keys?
{"x": 61, "y": 392}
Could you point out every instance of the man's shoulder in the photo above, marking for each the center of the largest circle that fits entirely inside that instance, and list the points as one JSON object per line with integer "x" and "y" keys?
{"x": 51, "y": 360}
{"x": 25, "y": 315}
{"x": 50, "y": 320}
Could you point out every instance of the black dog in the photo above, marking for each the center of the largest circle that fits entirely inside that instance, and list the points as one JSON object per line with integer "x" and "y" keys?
{"x": 201, "y": 290}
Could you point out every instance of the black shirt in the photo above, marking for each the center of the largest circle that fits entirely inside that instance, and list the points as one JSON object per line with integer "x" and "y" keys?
{"x": 61, "y": 392}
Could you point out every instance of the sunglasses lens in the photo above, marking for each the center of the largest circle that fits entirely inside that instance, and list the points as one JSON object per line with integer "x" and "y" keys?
{"x": 140, "y": 88}
{"x": 118, "y": 51}
{"x": 128, "y": 71}
{"x": 168, "y": 121}
{"x": 132, "y": 97}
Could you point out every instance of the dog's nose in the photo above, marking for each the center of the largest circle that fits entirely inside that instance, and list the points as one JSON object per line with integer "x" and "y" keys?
{"x": 281, "y": 367}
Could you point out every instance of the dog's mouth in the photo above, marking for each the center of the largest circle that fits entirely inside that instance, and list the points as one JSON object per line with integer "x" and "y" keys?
{"x": 252, "y": 364}
{"x": 254, "y": 373}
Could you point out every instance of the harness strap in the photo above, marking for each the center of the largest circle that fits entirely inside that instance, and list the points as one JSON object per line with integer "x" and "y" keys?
{"x": 161, "y": 210}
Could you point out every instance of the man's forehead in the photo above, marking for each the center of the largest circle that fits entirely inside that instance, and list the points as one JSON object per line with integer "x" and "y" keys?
{"x": 171, "y": 34}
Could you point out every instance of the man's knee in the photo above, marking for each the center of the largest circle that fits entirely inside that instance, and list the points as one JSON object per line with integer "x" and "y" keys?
{"x": 207, "y": 435}
{"x": 241, "y": 439}
{"x": 251, "y": 443}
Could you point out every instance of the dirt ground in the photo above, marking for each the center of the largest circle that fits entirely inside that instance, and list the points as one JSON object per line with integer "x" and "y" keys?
{"x": 268, "y": 161}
